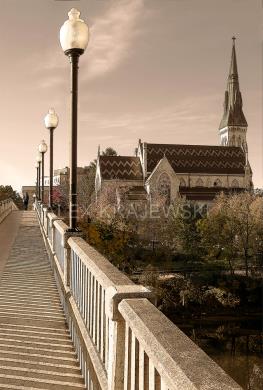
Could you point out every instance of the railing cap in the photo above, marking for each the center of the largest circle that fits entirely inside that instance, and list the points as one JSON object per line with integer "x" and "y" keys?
{"x": 100, "y": 267}
{"x": 52, "y": 218}
{"x": 114, "y": 295}
{"x": 61, "y": 226}
{"x": 179, "y": 361}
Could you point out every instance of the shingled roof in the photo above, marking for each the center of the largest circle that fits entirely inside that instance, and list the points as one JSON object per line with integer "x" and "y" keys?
{"x": 120, "y": 167}
{"x": 206, "y": 193}
{"x": 198, "y": 158}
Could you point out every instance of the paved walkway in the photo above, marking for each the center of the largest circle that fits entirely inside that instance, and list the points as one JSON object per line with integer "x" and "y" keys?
{"x": 8, "y": 231}
{"x": 35, "y": 349}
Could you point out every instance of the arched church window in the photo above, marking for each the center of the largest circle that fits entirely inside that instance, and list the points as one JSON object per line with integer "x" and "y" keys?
{"x": 199, "y": 183}
{"x": 164, "y": 186}
{"x": 182, "y": 183}
{"x": 233, "y": 140}
{"x": 239, "y": 141}
{"x": 244, "y": 146}
{"x": 218, "y": 183}
{"x": 235, "y": 184}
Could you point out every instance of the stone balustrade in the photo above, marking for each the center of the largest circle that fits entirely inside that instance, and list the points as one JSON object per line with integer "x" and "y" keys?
{"x": 122, "y": 341}
{"x": 6, "y": 206}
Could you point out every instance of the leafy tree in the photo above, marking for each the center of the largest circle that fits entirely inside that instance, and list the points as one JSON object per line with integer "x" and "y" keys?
{"x": 8, "y": 192}
{"x": 233, "y": 229}
{"x": 182, "y": 226}
{"x": 109, "y": 151}
{"x": 86, "y": 186}
{"x": 258, "y": 192}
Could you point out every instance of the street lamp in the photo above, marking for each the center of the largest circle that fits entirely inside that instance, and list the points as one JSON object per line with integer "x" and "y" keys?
{"x": 51, "y": 122}
{"x": 42, "y": 148}
{"x": 38, "y": 161}
{"x": 36, "y": 166}
{"x": 74, "y": 37}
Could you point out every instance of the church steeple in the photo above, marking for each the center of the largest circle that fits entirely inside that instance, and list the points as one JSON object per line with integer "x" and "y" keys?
{"x": 233, "y": 125}
{"x": 233, "y": 74}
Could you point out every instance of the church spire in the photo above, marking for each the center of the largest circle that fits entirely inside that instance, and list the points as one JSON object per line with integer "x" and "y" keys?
{"x": 233, "y": 112}
{"x": 233, "y": 74}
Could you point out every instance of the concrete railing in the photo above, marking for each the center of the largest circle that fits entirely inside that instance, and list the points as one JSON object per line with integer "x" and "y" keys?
{"x": 6, "y": 206}
{"x": 121, "y": 339}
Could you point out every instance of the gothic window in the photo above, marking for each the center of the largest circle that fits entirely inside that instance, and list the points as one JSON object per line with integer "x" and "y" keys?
{"x": 244, "y": 146}
{"x": 235, "y": 184}
{"x": 208, "y": 182}
{"x": 199, "y": 183}
{"x": 182, "y": 183}
{"x": 218, "y": 183}
{"x": 164, "y": 186}
{"x": 233, "y": 140}
{"x": 239, "y": 141}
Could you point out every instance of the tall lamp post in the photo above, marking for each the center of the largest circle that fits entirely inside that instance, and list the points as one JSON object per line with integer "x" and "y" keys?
{"x": 37, "y": 168}
{"x": 38, "y": 160}
{"x": 74, "y": 38}
{"x": 51, "y": 122}
{"x": 42, "y": 148}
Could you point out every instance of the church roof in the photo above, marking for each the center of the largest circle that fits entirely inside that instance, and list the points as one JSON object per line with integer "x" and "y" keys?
{"x": 206, "y": 193}
{"x": 233, "y": 112}
{"x": 120, "y": 167}
{"x": 197, "y": 158}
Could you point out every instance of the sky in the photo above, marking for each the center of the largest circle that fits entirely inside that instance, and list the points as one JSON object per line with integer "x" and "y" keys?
{"x": 154, "y": 69}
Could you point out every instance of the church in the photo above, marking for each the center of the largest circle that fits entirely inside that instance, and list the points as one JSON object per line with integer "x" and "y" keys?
{"x": 197, "y": 172}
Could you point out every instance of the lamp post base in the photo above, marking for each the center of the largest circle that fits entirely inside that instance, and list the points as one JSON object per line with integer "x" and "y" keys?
{"x": 73, "y": 230}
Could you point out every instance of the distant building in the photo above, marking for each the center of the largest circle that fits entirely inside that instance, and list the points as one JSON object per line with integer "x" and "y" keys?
{"x": 61, "y": 175}
{"x": 197, "y": 172}
{"x": 31, "y": 190}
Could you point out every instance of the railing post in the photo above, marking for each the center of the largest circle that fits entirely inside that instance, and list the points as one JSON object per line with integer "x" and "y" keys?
{"x": 67, "y": 254}
{"x": 52, "y": 219}
{"x": 38, "y": 208}
{"x": 41, "y": 215}
{"x": 45, "y": 219}
{"x": 116, "y": 352}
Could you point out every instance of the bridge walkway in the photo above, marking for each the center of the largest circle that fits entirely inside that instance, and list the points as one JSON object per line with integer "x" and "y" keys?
{"x": 36, "y": 351}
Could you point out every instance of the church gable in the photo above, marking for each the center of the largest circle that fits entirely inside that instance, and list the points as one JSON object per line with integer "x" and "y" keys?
{"x": 162, "y": 166}
{"x": 163, "y": 180}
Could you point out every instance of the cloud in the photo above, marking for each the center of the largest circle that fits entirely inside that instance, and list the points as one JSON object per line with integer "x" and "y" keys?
{"x": 183, "y": 122}
{"x": 112, "y": 36}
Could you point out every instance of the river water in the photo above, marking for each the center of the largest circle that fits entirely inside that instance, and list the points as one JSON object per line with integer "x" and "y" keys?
{"x": 235, "y": 345}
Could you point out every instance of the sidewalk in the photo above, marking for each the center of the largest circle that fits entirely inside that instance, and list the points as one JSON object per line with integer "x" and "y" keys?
{"x": 36, "y": 351}
{"x": 8, "y": 231}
